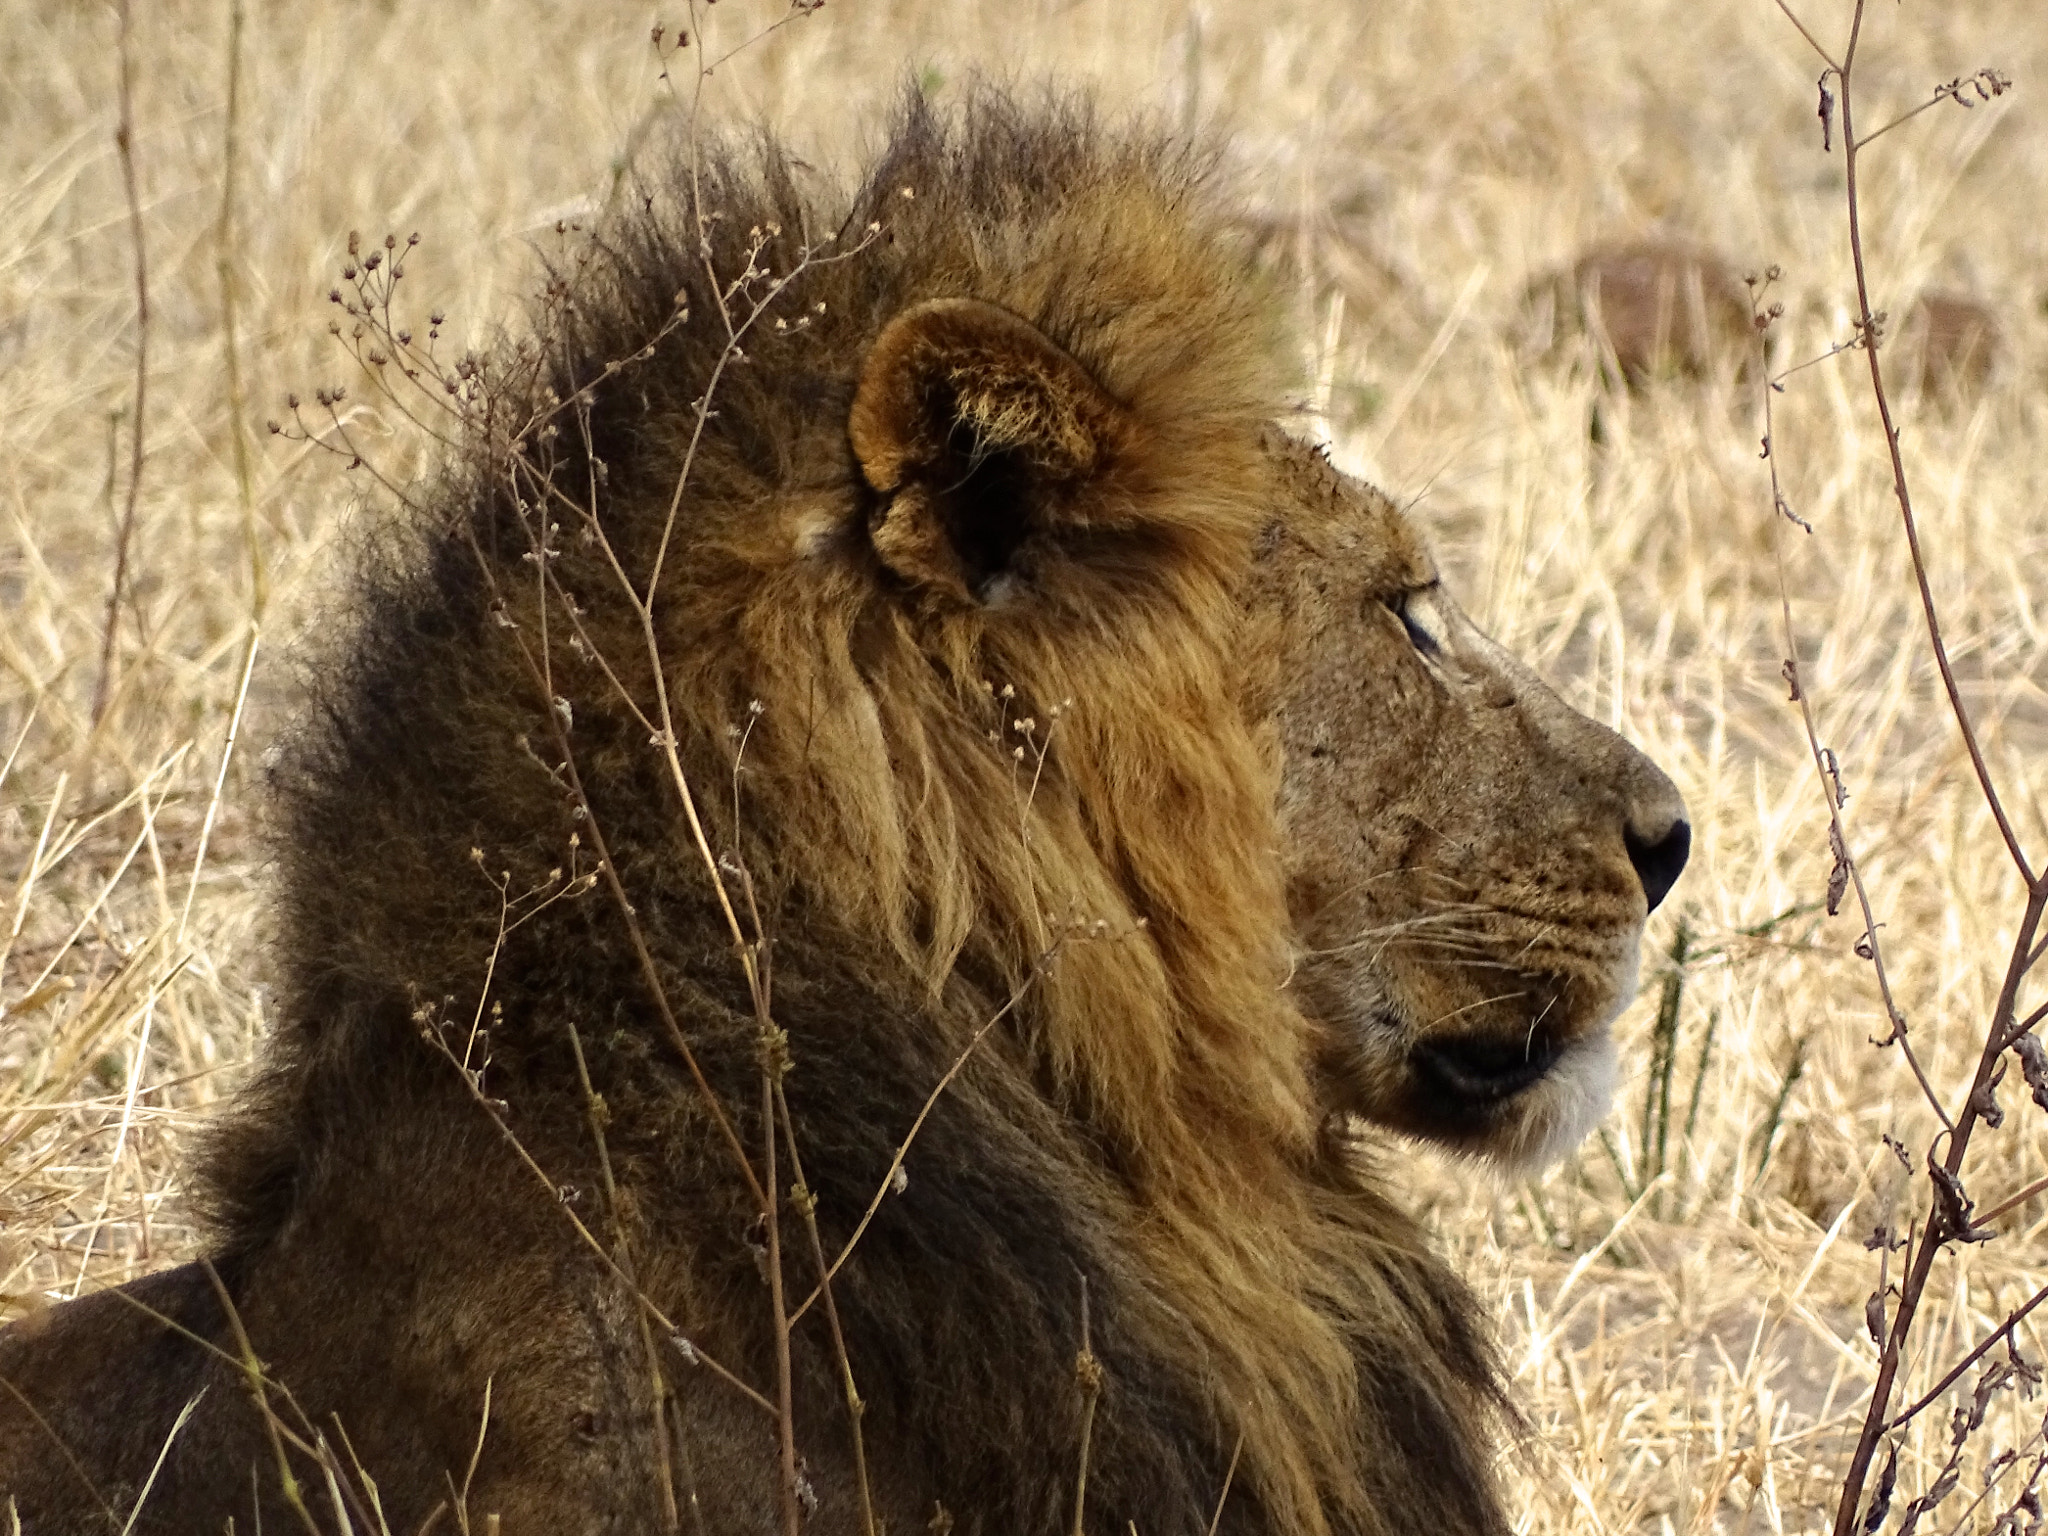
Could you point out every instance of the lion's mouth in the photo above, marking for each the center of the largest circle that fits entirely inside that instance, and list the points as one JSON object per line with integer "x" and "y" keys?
{"x": 1522, "y": 1100}
{"x": 1476, "y": 1072}
{"x": 1518, "y": 1083}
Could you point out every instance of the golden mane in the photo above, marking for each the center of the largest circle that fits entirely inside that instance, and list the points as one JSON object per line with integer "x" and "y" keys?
{"x": 888, "y": 784}
{"x": 917, "y": 532}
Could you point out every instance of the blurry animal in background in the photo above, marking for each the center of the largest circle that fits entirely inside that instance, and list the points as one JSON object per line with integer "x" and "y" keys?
{"x": 1947, "y": 347}
{"x": 1654, "y": 309}
{"x": 1644, "y": 310}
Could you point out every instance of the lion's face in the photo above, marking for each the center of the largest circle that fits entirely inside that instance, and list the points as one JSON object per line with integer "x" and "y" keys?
{"x": 1469, "y": 859}
{"x": 1467, "y": 862}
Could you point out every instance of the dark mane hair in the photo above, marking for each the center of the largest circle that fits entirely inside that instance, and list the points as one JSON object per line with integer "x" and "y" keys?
{"x": 1142, "y": 1129}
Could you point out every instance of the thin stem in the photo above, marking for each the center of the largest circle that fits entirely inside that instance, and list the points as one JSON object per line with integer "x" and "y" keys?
{"x": 1955, "y": 1374}
{"x": 1229, "y": 1473}
{"x": 227, "y": 755}
{"x": 695, "y": 1352}
{"x": 595, "y": 1113}
{"x": 2000, "y": 1465}
{"x": 2027, "y": 1024}
{"x": 1826, "y": 58}
{"x": 903, "y": 1147}
{"x": 1902, "y": 118}
{"x": 58, "y": 1443}
{"x": 1823, "y": 766}
{"x": 856, "y": 1410}
{"x": 162, "y": 1455}
{"x": 649, "y": 971}
{"x": 253, "y": 1378}
{"x": 1940, "y": 1226}
{"x": 1088, "y": 1373}
{"x": 1905, "y": 498}
{"x": 124, "y": 140}
{"x": 1934, "y": 1236}
{"x": 224, "y": 272}
{"x": 2012, "y": 1202}
{"x": 785, "y": 1418}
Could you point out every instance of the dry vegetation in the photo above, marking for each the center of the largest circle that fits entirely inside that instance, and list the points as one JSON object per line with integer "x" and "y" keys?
{"x": 1684, "y": 1300}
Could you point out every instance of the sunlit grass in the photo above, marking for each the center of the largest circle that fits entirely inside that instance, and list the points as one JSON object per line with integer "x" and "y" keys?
{"x": 1685, "y": 1317}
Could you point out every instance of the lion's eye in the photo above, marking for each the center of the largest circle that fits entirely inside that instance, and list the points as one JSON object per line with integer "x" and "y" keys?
{"x": 1419, "y": 617}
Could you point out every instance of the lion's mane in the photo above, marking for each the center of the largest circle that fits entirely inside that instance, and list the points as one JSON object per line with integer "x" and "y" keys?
{"x": 1143, "y": 1127}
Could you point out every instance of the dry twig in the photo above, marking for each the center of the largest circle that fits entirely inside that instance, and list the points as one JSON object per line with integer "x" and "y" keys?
{"x": 1949, "y": 1219}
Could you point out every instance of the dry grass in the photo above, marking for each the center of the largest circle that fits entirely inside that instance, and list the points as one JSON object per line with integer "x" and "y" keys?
{"x": 1691, "y": 1354}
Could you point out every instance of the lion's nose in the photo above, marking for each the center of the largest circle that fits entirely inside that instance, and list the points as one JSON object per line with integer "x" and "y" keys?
{"x": 1658, "y": 854}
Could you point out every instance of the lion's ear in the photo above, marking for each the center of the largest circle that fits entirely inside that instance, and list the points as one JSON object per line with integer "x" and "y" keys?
{"x": 982, "y": 436}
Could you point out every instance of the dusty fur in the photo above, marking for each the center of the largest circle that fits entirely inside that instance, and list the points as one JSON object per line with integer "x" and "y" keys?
{"x": 966, "y": 621}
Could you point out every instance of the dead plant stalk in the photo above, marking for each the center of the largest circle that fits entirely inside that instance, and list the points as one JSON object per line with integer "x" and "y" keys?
{"x": 1949, "y": 1215}
{"x": 124, "y": 140}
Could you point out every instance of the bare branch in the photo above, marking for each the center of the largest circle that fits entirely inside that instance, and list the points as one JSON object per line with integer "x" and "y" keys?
{"x": 2012, "y": 1321}
{"x": 889, "y": 1179}
{"x": 124, "y": 139}
{"x": 1826, "y": 57}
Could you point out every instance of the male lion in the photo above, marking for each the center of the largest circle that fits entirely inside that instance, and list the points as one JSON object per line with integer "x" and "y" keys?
{"x": 1053, "y": 721}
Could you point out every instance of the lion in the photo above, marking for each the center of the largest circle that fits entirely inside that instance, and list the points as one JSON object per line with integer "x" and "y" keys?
{"x": 1105, "y": 814}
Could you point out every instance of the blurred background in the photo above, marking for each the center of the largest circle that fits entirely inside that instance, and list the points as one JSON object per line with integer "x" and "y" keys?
{"x": 1516, "y": 234}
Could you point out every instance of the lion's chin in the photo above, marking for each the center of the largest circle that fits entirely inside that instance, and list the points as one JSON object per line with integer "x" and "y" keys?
{"x": 1549, "y": 1119}
{"x": 1546, "y": 1121}
{"x": 1504, "y": 1091}
{"x": 1519, "y": 1111}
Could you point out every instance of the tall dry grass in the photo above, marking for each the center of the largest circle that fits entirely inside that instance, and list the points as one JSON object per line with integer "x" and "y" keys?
{"x": 1683, "y": 1301}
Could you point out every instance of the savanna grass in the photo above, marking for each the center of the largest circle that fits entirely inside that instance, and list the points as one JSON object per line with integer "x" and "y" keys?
{"x": 1684, "y": 1301}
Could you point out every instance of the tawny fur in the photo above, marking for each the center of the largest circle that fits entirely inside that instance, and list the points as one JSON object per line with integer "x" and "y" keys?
{"x": 1013, "y": 468}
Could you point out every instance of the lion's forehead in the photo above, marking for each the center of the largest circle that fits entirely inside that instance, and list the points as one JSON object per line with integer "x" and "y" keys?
{"x": 1338, "y": 564}
{"x": 1342, "y": 531}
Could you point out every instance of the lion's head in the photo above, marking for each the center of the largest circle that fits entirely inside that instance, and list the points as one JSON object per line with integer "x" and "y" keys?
{"x": 1468, "y": 861}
